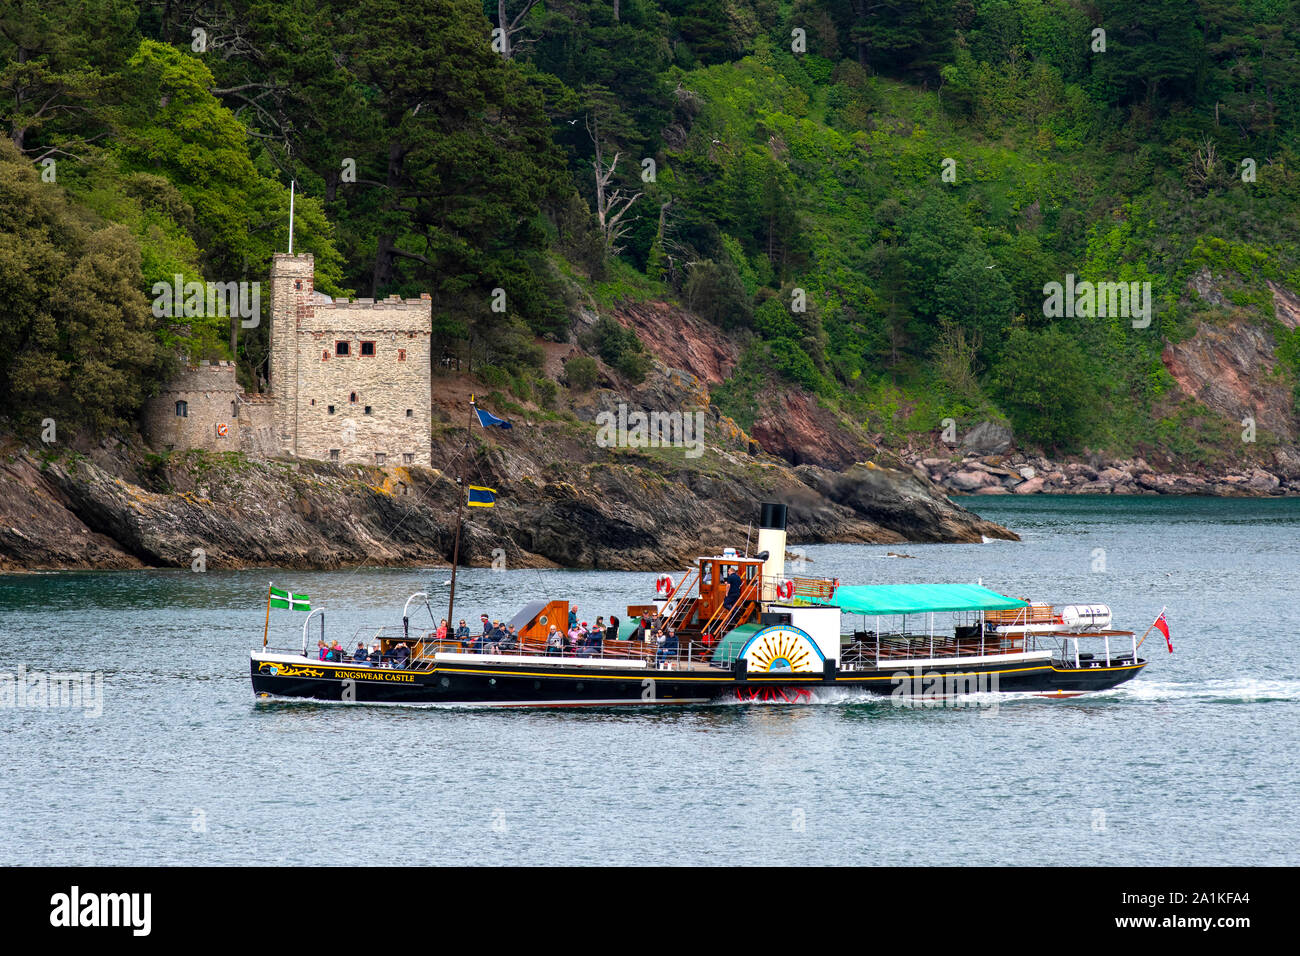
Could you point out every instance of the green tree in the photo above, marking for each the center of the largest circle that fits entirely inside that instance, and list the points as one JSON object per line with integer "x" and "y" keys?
{"x": 1044, "y": 385}
{"x": 77, "y": 343}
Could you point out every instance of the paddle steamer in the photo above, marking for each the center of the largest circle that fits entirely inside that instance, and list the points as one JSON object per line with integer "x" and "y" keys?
{"x": 774, "y": 638}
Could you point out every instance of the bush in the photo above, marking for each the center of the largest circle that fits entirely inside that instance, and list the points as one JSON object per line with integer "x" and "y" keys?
{"x": 619, "y": 347}
{"x": 545, "y": 389}
{"x": 581, "y": 373}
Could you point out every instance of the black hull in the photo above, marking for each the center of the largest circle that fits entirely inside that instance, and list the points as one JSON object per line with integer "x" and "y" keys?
{"x": 495, "y": 684}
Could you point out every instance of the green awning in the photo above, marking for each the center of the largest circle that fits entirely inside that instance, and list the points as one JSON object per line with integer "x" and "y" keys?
{"x": 917, "y": 598}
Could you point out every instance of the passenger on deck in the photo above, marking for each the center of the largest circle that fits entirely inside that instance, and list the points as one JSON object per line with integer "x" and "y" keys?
{"x": 323, "y": 649}
{"x": 595, "y": 640}
{"x": 573, "y": 617}
{"x": 401, "y": 654}
{"x": 510, "y": 642}
{"x": 442, "y": 630}
{"x": 486, "y": 622}
{"x": 554, "y": 642}
{"x": 667, "y": 646}
{"x": 359, "y": 655}
{"x": 638, "y": 632}
{"x": 575, "y": 635}
{"x": 585, "y": 640}
{"x": 462, "y": 632}
{"x": 336, "y": 653}
{"x": 376, "y": 655}
{"x": 495, "y": 637}
{"x": 611, "y": 632}
{"x": 733, "y": 590}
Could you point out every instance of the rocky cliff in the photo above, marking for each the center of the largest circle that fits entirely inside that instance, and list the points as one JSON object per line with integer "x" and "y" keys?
{"x": 563, "y": 499}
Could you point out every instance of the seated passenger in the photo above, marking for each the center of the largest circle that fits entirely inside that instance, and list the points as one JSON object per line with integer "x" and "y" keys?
{"x": 667, "y": 646}
{"x": 359, "y": 655}
{"x": 336, "y": 653}
{"x": 376, "y": 655}
{"x": 554, "y": 642}
{"x": 442, "y": 631}
{"x": 510, "y": 642}
{"x": 462, "y": 632}
{"x": 611, "y": 632}
{"x": 401, "y": 654}
{"x": 323, "y": 649}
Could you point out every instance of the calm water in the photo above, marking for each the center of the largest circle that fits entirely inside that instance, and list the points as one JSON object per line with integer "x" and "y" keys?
{"x": 1193, "y": 762}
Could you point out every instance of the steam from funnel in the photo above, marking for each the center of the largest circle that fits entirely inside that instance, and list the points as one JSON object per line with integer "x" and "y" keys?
{"x": 771, "y": 539}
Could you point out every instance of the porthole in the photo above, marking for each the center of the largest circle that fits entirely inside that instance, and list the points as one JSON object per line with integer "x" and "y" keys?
{"x": 492, "y": 682}
{"x": 445, "y": 682}
{"x": 543, "y": 621}
{"x": 579, "y": 686}
{"x": 537, "y": 685}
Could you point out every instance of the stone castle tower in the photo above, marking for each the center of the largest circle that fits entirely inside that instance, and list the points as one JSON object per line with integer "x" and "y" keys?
{"x": 350, "y": 382}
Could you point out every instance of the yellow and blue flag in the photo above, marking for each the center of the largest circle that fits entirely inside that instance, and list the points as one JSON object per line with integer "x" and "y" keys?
{"x": 480, "y": 497}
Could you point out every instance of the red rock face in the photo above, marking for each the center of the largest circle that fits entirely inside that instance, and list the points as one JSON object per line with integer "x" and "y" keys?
{"x": 791, "y": 425}
{"x": 1229, "y": 369}
{"x": 681, "y": 339}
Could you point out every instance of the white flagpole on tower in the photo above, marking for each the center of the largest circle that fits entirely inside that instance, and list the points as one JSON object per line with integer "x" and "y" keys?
{"x": 291, "y": 217}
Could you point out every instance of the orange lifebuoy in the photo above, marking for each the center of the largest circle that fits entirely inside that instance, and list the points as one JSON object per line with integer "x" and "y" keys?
{"x": 785, "y": 590}
{"x": 222, "y": 429}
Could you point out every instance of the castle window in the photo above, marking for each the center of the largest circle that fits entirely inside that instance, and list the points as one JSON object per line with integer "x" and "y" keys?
{"x": 409, "y": 413}
{"x": 313, "y": 401}
{"x": 367, "y": 409}
{"x": 401, "y": 355}
{"x": 182, "y": 409}
{"x": 297, "y": 284}
{"x": 353, "y": 398}
{"x": 367, "y": 349}
{"x": 234, "y": 410}
{"x": 342, "y": 348}
{"x": 325, "y": 356}
{"x": 380, "y": 458}
{"x": 408, "y": 458}
{"x": 334, "y": 454}
{"x": 331, "y": 411}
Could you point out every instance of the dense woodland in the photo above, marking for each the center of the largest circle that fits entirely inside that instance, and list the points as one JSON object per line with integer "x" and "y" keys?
{"x": 741, "y": 157}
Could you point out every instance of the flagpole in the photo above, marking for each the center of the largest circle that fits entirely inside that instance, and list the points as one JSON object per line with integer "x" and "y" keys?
{"x": 266, "y": 630}
{"x": 1153, "y": 624}
{"x": 460, "y": 513}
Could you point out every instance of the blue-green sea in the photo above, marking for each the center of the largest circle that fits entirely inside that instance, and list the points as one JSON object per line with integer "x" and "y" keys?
{"x": 1194, "y": 762}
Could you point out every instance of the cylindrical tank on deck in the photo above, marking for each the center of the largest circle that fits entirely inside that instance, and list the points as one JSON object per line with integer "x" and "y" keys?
{"x": 1085, "y": 615}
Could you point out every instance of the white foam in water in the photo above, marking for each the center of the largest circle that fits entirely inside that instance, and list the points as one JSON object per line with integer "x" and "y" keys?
{"x": 1237, "y": 690}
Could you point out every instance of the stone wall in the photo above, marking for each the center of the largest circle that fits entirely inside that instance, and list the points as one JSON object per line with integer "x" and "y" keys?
{"x": 194, "y": 408}
{"x": 257, "y": 430}
{"x": 365, "y": 408}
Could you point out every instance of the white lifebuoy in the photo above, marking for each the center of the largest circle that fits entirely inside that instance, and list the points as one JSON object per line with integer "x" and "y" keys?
{"x": 785, "y": 590}
{"x": 664, "y": 584}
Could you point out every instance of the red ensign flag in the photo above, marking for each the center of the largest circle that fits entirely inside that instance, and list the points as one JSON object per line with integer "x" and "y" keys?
{"x": 1163, "y": 626}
